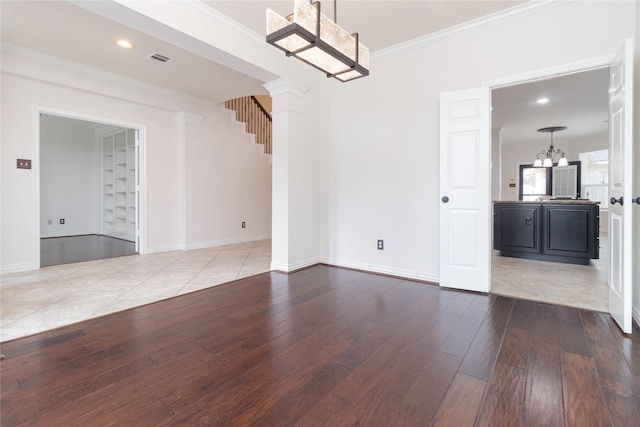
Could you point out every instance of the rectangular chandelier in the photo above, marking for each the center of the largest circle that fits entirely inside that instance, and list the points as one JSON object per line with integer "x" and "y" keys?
{"x": 315, "y": 39}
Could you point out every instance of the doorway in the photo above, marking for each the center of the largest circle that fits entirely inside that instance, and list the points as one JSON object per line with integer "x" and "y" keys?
{"x": 89, "y": 190}
{"x": 579, "y": 101}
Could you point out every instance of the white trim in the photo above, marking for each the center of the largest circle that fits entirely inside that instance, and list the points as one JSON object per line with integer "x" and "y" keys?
{"x": 287, "y": 268}
{"x": 503, "y": 16}
{"x": 16, "y": 268}
{"x": 163, "y": 248}
{"x": 408, "y": 274}
{"x": 224, "y": 242}
{"x": 221, "y": 20}
{"x": 286, "y": 85}
{"x": 40, "y": 109}
{"x": 35, "y": 145}
{"x": 551, "y": 72}
{"x": 113, "y": 77}
{"x": 546, "y": 73}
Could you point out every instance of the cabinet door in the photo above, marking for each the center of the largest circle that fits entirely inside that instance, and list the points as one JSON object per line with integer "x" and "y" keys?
{"x": 570, "y": 231}
{"x": 516, "y": 228}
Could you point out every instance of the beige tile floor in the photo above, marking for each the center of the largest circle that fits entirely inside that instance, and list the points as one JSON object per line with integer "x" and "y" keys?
{"x": 582, "y": 286}
{"x": 54, "y": 296}
{"x": 60, "y": 295}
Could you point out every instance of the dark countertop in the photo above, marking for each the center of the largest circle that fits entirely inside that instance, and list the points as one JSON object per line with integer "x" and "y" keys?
{"x": 551, "y": 202}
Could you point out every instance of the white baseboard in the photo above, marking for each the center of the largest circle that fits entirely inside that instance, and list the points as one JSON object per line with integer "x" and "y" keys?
{"x": 17, "y": 268}
{"x": 67, "y": 233}
{"x": 163, "y": 248}
{"x": 288, "y": 268}
{"x": 230, "y": 241}
{"x": 408, "y": 274}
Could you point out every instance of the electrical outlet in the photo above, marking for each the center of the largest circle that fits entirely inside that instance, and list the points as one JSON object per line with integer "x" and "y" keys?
{"x": 380, "y": 245}
{"x": 244, "y": 224}
{"x": 61, "y": 220}
{"x": 24, "y": 164}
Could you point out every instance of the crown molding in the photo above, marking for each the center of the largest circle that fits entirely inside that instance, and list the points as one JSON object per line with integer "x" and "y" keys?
{"x": 497, "y": 18}
{"x": 99, "y": 73}
{"x": 286, "y": 85}
{"x": 222, "y": 20}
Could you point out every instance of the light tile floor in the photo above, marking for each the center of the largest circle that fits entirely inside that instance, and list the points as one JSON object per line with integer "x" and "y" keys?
{"x": 60, "y": 295}
{"x": 33, "y": 302}
{"x": 582, "y": 286}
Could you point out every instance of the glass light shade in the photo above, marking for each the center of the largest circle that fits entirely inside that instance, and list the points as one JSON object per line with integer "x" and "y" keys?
{"x": 563, "y": 162}
{"x": 537, "y": 163}
{"x": 317, "y": 40}
{"x": 547, "y": 163}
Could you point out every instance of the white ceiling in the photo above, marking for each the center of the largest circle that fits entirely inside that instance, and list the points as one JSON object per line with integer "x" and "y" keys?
{"x": 65, "y": 30}
{"x": 578, "y": 101}
{"x": 379, "y": 24}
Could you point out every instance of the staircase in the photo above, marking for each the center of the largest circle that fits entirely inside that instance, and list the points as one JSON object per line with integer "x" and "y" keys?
{"x": 256, "y": 118}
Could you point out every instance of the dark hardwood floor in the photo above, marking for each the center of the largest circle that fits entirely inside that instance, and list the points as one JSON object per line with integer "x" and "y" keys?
{"x": 65, "y": 250}
{"x": 327, "y": 347}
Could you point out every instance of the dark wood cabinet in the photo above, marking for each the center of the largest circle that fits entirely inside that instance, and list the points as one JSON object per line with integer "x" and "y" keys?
{"x": 558, "y": 232}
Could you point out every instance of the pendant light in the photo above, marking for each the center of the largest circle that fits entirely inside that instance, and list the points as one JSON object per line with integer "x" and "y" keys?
{"x": 550, "y": 155}
{"x": 315, "y": 39}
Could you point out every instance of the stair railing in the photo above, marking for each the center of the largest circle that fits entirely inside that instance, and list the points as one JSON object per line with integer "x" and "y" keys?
{"x": 257, "y": 119}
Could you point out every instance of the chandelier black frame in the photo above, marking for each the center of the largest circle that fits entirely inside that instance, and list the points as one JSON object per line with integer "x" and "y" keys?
{"x": 315, "y": 41}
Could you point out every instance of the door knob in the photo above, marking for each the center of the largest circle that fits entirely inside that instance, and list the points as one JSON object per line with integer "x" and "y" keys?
{"x": 445, "y": 199}
{"x": 636, "y": 200}
{"x": 613, "y": 201}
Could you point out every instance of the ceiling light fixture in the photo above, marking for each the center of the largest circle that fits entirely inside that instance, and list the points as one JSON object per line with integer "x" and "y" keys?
{"x": 550, "y": 155}
{"x": 315, "y": 39}
{"x": 125, "y": 44}
{"x": 542, "y": 100}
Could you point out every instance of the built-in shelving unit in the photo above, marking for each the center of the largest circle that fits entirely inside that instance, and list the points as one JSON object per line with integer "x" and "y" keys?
{"x": 119, "y": 201}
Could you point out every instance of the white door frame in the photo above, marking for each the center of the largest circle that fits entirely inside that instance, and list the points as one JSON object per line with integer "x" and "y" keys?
{"x": 543, "y": 74}
{"x": 37, "y": 111}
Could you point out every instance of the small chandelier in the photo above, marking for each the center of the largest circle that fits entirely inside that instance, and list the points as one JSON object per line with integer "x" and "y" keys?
{"x": 550, "y": 155}
{"x": 315, "y": 39}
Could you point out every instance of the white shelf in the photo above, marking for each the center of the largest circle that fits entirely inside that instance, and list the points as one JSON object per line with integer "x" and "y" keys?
{"x": 119, "y": 184}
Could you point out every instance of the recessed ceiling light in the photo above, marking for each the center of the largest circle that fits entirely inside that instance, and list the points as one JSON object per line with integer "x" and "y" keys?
{"x": 125, "y": 44}
{"x": 542, "y": 100}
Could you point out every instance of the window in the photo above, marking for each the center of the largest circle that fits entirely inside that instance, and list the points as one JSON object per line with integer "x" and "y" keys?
{"x": 534, "y": 183}
{"x": 555, "y": 182}
{"x": 595, "y": 176}
{"x": 565, "y": 182}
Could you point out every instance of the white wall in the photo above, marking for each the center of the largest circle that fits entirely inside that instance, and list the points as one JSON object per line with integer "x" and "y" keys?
{"x": 296, "y": 222}
{"x": 382, "y": 155}
{"x": 514, "y": 155}
{"x": 234, "y": 186}
{"x": 31, "y": 83}
{"x": 68, "y": 177}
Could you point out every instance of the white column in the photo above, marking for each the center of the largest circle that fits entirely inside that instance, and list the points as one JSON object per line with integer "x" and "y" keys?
{"x": 295, "y": 176}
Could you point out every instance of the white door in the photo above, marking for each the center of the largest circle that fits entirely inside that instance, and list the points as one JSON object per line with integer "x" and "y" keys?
{"x": 620, "y": 186}
{"x": 465, "y": 210}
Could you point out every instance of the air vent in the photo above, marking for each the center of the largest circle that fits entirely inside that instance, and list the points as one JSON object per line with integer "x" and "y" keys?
{"x": 160, "y": 58}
